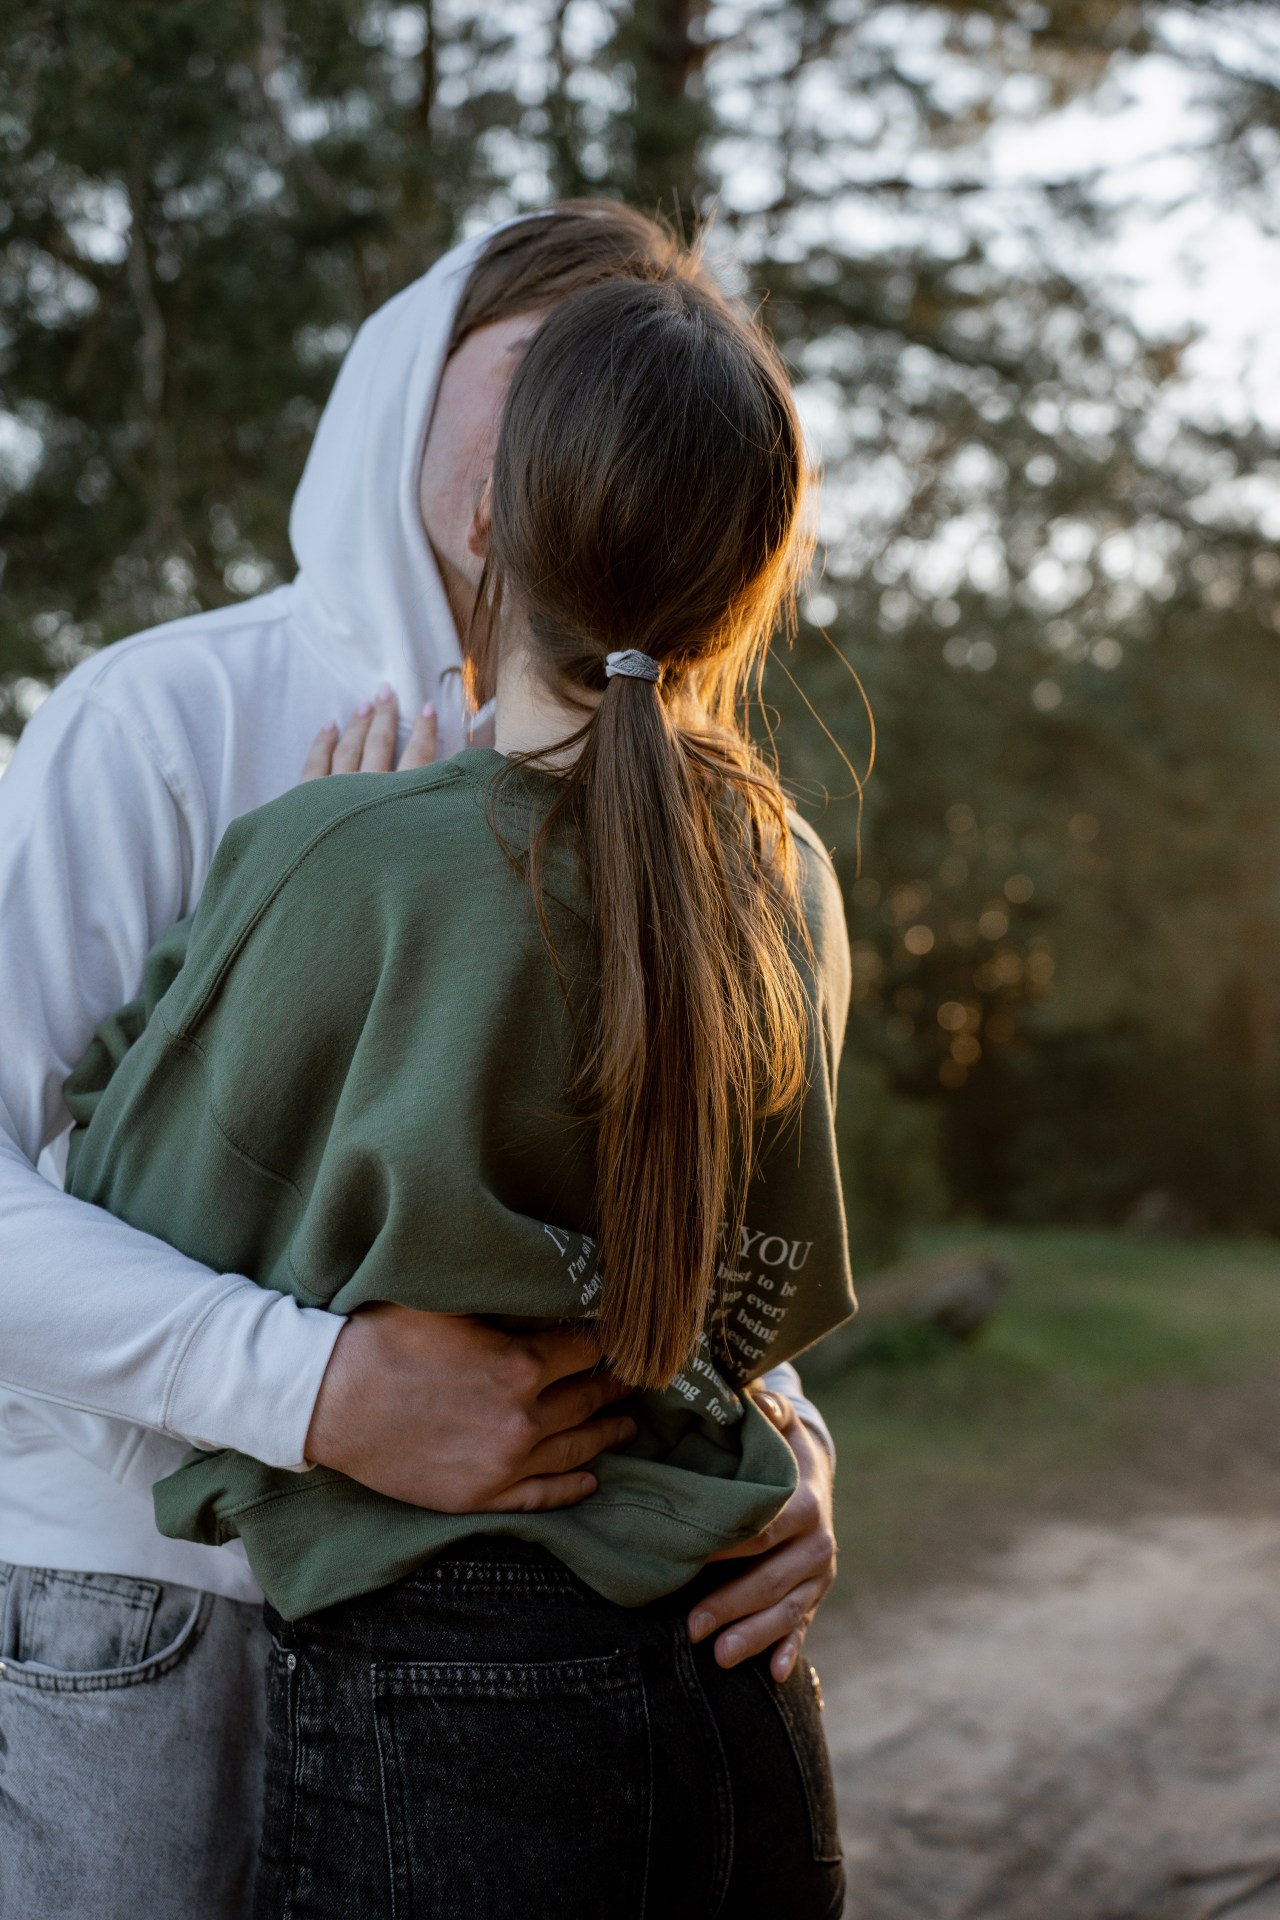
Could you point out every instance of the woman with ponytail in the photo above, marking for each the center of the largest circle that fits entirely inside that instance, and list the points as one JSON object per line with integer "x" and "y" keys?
{"x": 545, "y": 1031}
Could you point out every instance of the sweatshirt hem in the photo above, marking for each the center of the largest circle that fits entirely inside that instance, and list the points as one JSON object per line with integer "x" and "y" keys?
{"x": 598, "y": 1501}
{"x": 658, "y": 1553}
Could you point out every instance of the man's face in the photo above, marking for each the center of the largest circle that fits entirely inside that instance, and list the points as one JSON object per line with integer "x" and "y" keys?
{"x": 461, "y": 442}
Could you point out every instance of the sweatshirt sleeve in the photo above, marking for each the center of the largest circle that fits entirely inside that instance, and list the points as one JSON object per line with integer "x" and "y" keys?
{"x": 835, "y": 985}
{"x": 787, "y": 1282}
{"x": 95, "y": 863}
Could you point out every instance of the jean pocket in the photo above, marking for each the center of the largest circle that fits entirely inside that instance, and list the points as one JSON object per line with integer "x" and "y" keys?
{"x": 517, "y": 1791}
{"x": 799, "y": 1701}
{"x": 91, "y": 1632}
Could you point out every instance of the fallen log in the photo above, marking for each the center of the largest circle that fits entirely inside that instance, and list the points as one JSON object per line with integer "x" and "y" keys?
{"x": 951, "y": 1296}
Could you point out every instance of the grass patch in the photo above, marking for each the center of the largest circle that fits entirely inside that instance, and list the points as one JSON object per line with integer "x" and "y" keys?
{"x": 1101, "y": 1338}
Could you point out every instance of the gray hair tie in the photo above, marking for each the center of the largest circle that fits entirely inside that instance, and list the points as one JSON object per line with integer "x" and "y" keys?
{"x": 631, "y": 663}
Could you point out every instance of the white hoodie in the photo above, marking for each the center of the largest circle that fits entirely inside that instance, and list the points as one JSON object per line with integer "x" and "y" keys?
{"x": 116, "y": 1351}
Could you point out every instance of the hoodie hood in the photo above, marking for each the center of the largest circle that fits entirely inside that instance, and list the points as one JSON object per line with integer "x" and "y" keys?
{"x": 368, "y": 594}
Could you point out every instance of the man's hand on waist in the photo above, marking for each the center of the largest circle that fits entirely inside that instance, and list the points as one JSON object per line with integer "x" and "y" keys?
{"x": 448, "y": 1412}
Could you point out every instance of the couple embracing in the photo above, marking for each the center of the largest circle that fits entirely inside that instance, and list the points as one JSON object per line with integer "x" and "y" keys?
{"x": 452, "y": 1171}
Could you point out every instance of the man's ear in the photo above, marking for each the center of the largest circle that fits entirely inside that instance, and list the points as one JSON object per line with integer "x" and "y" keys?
{"x": 481, "y": 523}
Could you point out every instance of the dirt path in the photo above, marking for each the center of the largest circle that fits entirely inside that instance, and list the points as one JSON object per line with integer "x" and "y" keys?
{"x": 1086, "y": 1732}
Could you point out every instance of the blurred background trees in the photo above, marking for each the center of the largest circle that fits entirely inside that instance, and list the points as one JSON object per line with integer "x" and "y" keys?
{"x": 1052, "y": 467}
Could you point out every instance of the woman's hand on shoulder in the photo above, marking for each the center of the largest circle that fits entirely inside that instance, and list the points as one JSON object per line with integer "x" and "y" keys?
{"x": 793, "y": 1562}
{"x": 368, "y": 743}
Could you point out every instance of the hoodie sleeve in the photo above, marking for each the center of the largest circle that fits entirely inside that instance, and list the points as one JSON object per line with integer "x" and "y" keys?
{"x": 94, "y": 865}
{"x": 785, "y": 1380}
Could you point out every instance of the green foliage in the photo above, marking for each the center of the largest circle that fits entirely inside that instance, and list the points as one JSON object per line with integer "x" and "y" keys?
{"x": 889, "y": 1158}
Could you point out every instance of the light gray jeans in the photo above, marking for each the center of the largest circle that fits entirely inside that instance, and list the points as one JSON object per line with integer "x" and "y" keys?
{"x": 131, "y": 1729}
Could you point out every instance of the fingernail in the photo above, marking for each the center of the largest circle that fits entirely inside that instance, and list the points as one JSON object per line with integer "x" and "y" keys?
{"x": 787, "y": 1664}
{"x": 330, "y": 726}
{"x": 701, "y": 1625}
{"x": 428, "y": 712}
{"x": 730, "y": 1649}
{"x": 364, "y": 709}
{"x": 628, "y": 1430}
{"x": 384, "y": 693}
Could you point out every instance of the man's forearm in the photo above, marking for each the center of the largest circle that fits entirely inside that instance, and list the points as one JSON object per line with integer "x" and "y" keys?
{"x": 159, "y": 1340}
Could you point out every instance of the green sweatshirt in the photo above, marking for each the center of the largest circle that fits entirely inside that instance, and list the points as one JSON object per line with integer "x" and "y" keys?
{"x": 346, "y": 1077}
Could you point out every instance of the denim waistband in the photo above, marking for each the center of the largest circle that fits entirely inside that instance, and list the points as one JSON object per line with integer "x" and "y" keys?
{"x": 527, "y": 1566}
{"x": 520, "y": 1569}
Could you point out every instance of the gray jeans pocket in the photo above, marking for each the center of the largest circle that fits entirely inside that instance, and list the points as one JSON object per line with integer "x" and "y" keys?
{"x": 64, "y": 1632}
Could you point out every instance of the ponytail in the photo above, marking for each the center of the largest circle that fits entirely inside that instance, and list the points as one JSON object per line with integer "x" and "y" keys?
{"x": 646, "y": 497}
{"x": 673, "y": 1078}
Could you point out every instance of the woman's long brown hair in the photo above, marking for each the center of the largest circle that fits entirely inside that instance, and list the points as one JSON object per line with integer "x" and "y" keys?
{"x": 647, "y": 493}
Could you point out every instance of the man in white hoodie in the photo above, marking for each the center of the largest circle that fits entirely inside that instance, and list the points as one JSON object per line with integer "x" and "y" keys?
{"x": 130, "y": 1715}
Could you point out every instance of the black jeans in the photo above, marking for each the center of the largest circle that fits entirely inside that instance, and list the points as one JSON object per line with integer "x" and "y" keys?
{"x": 488, "y": 1739}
